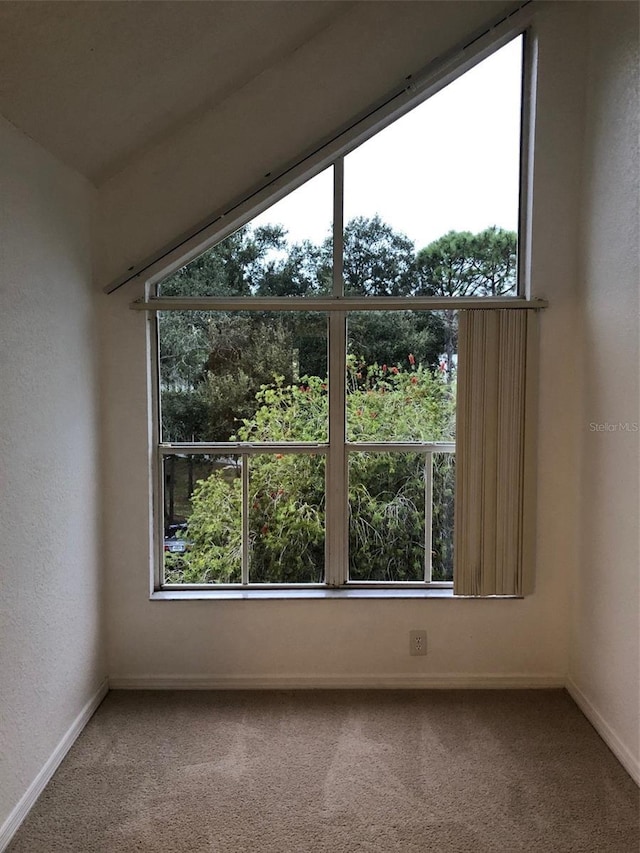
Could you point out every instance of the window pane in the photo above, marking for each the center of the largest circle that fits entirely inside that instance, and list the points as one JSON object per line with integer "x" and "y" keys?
{"x": 444, "y": 470}
{"x": 399, "y": 384}
{"x": 243, "y": 376}
{"x": 386, "y": 516}
{"x": 285, "y": 251}
{"x": 444, "y": 176}
{"x": 203, "y": 519}
{"x": 286, "y": 518}
{"x": 305, "y": 257}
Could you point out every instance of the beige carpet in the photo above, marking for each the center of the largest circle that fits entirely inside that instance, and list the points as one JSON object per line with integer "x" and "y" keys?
{"x": 336, "y": 771}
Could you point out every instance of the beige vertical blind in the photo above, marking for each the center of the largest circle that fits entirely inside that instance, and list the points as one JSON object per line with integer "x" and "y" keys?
{"x": 495, "y": 446}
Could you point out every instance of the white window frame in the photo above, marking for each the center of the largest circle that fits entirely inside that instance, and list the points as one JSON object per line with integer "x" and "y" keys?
{"x": 225, "y": 222}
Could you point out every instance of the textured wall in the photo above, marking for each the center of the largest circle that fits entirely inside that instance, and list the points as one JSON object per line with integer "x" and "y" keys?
{"x": 51, "y": 660}
{"x": 354, "y": 640}
{"x": 605, "y": 664}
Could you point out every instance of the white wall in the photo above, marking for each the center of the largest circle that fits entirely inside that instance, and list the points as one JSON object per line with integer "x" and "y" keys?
{"x": 605, "y": 640}
{"x": 51, "y": 657}
{"x": 344, "y": 641}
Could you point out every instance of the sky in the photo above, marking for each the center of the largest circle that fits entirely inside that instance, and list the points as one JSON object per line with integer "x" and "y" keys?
{"x": 452, "y": 163}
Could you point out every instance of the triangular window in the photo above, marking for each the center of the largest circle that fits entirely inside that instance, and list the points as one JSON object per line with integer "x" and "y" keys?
{"x": 307, "y": 385}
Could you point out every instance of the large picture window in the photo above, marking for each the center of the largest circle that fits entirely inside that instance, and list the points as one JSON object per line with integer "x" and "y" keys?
{"x": 307, "y": 403}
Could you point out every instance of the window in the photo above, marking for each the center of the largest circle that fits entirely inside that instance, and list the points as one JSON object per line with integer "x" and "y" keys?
{"x": 306, "y": 377}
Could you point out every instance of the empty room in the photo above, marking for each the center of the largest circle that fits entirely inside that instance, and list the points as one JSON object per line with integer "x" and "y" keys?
{"x": 319, "y": 426}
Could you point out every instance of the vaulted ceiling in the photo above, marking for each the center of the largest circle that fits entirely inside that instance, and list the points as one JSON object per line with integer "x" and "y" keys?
{"x": 174, "y": 108}
{"x": 97, "y": 82}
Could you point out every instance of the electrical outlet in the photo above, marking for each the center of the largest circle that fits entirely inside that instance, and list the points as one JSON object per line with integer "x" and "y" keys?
{"x": 417, "y": 642}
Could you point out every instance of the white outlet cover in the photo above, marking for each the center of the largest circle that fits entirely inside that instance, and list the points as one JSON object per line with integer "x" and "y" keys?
{"x": 418, "y": 642}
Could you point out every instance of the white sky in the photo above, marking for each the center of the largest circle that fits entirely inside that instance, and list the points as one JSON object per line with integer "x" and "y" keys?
{"x": 452, "y": 163}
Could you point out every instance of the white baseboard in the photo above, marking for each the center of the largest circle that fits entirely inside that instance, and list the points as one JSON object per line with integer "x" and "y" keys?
{"x": 18, "y": 814}
{"x": 407, "y": 681}
{"x": 630, "y": 763}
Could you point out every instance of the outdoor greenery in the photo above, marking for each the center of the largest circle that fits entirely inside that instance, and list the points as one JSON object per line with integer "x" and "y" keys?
{"x": 287, "y": 494}
{"x": 258, "y": 376}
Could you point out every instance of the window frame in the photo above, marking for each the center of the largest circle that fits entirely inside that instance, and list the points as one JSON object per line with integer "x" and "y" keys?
{"x": 337, "y": 306}
{"x": 336, "y": 451}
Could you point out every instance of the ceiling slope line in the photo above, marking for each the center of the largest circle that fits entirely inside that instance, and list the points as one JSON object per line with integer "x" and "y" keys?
{"x": 438, "y": 73}
{"x": 282, "y": 56}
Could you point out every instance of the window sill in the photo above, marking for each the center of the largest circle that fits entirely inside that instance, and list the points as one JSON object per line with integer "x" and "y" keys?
{"x": 306, "y": 594}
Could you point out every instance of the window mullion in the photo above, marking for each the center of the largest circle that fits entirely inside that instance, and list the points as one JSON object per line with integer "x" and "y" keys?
{"x": 336, "y": 478}
{"x": 336, "y": 500}
{"x": 337, "y": 288}
{"x": 245, "y": 518}
{"x": 428, "y": 516}
{"x": 157, "y": 492}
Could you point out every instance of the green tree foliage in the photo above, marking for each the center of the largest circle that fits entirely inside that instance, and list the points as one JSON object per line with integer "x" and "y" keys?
{"x": 398, "y": 403}
{"x": 387, "y": 336}
{"x": 286, "y": 491}
{"x": 301, "y": 269}
{"x": 228, "y": 375}
{"x": 211, "y": 366}
{"x": 465, "y": 264}
{"x": 244, "y": 355}
{"x": 187, "y": 338}
{"x": 234, "y": 267}
{"x": 215, "y": 531}
{"x": 378, "y": 261}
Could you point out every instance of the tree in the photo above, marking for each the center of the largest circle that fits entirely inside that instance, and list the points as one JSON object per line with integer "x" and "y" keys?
{"x": 286, "y": 491}
{"x": 192, "y": 343}
{"x": 496, "y": 257}
{"x": 300, "y": 270}
{"x": 213, "y": 364}
{"x": 234, "y": 267}
{"x": 385, "y": 337}
{"x": 378, "y": 261}
{"x": 193, "y": 408}
{"x": 464, "y": 264}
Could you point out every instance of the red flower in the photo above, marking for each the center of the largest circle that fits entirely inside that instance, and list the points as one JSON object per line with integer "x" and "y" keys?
{"x": 264, "y": 529}
{"x": 414, "y": 380}
{"x": 394, "y": 370}
{"x": 412, "y": 360}
{"x": 384, "y": 368}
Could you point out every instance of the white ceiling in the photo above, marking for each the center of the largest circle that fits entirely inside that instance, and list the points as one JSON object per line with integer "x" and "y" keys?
{"x": 96, "y": 83}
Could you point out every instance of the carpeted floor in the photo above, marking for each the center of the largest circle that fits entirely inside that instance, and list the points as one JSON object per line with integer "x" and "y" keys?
{"x": 335, "y": 772}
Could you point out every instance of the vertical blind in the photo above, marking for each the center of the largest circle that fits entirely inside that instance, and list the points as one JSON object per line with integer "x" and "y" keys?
{"x": 495, "y": 447}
